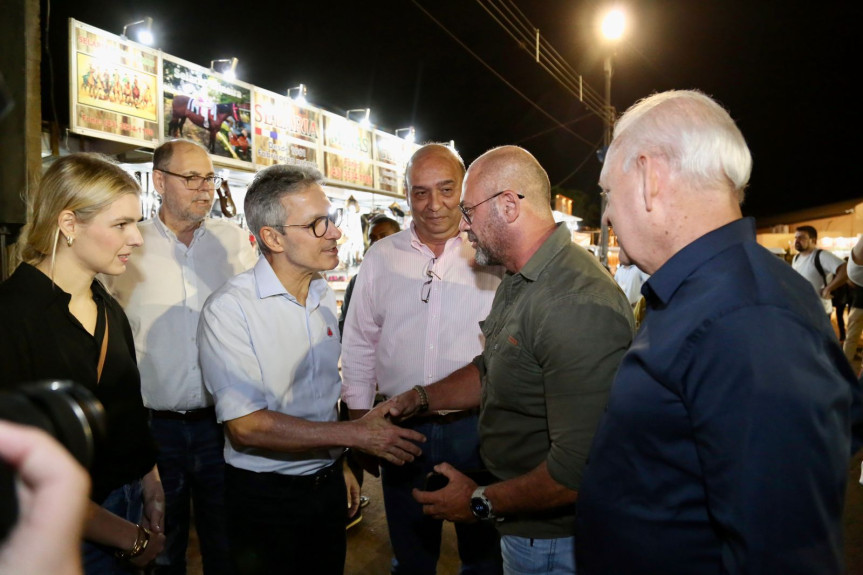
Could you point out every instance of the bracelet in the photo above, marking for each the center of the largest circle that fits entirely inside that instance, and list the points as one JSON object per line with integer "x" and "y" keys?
{"x": 424, "y": 398}
{"x": 141, "y": 542}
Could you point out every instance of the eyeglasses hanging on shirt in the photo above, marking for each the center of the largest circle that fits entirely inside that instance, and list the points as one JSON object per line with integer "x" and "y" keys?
{"x": 430, "y": 275}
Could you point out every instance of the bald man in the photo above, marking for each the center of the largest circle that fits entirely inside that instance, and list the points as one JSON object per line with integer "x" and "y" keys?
{"x": 186, "y": 256}
{"x": 557, "y": 330}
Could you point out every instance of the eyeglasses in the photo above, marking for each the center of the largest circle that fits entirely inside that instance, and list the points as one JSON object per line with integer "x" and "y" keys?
{"x": 467, "y": 211}
{"x": 425, "y": 290}
{"x": 319, "y": 225}
{"x": 195, "y": 182}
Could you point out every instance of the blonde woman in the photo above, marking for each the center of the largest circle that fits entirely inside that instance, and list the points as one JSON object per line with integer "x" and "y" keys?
{"x": 60, "y": 323}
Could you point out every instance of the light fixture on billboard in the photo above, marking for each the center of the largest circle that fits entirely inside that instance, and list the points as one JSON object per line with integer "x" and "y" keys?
{"x": 298, "y": 94}
{"x": 145, "y": 34}
{"x": 409, "y": 134}
{"x": 366, "y": 112}
{"x": 226, "y": 66}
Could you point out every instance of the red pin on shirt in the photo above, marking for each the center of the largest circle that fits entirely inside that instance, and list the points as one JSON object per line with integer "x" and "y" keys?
{"x": 329, "y": 332}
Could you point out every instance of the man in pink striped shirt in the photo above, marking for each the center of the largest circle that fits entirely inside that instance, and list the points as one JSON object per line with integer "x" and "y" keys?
{"x": 414, "y": 318}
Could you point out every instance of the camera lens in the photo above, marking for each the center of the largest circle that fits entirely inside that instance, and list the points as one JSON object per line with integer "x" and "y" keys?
{"x": 67, "y": 411}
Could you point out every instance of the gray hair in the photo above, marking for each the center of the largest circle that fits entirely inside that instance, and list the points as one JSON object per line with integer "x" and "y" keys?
{"x": 263, "y": 204}
{"x": 692, "y": 132}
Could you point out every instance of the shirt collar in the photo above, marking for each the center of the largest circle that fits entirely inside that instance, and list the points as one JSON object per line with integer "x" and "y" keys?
{"x": 417, "y": 244}
{"x": 269, "y": 285}
{"x": 169, "y": 233}
{"x": 559, "y": 239}
{"x": 40, "y": 287}
{"x": 665, "y": 281}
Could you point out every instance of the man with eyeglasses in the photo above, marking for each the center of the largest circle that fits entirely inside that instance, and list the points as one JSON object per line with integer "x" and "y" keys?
{"x": 185, "y": 257}
{"x": 554, "y": 338}
{"x": 414, "y": 317}
{"x": 269, "y": 342}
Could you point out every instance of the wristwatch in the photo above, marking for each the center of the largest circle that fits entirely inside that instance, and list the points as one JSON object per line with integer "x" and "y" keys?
{"x": 480, "y": 505}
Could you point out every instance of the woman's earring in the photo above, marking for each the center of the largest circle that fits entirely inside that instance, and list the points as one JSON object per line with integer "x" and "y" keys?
{"x": 69, "y": 241}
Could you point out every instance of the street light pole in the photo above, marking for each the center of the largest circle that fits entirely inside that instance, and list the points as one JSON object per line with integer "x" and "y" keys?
{"x": 612, "y": 29}
{"x": 609, "y": 123}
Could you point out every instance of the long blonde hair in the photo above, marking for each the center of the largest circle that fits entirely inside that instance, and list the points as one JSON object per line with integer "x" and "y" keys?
{"x": 84, "y": 183}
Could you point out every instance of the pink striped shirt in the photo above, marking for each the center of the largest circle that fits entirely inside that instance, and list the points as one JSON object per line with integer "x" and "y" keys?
{"x": 395, "y": 340}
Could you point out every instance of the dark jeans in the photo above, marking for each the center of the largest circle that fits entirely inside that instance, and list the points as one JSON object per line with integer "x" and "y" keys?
{"x": 125, "y": 502}
{"x": 192, "y": 467}
{"x": 284, "y": 524}
{"x": 416, "y": 537}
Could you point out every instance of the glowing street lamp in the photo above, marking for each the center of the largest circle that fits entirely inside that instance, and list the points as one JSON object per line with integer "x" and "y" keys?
{"x": 229, "y": 71}
{"x": 298, "y": 94}
{"x": 409, "y": 134}
{"x": 613, "y": 26}
{"x": 145, "y": 35}
{"x": 364, "y": 122}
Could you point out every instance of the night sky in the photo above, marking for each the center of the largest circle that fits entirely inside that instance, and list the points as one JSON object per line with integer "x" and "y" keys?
{"x": 785, "y": 71}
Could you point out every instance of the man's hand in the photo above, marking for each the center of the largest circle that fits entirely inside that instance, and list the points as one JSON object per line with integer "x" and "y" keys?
{"x": 154, "y": 502}
{"x": 353, "y": 488}
{"x": 453, "y": 501}
{"x": 378, "y": 436}
{"x": 403, "y": 406}
{"x": 153, "y": 518}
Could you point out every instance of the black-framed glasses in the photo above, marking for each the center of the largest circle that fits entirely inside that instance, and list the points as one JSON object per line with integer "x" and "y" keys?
{"x": 467, "y": 211}
{"x": 319, "y": 225}
{"x": 195, "y": 182}
{"x": 430, "y": 275}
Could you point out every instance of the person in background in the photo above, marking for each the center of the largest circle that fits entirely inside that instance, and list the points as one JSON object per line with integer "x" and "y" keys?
{"x": 269, "y": 351}
{"x": 59, "y": 322}
{"x": 553, "y": 340}
{"x": 53, "y": 490}
{"x": 733, "y": 416}
{"x": 379, "y": 228}
{"x": 855, "y": 318}
{"x": 417, "y": 306}
{"x": 185, "y": 257}
{"x": 825, "y": 271}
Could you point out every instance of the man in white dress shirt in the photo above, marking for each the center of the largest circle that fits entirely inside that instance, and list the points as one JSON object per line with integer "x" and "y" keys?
{"x": 414, "y": 318}
{"x": 185, "y": 257}
{"x": 269, "y": 341}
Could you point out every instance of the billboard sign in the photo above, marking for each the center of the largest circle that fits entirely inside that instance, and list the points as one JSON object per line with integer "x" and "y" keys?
{"x": 114, "y": 87}
{"x": 200, "y": 105}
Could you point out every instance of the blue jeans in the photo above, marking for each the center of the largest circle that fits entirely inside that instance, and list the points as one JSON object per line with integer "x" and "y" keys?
{"x": 416, "y": 537}
{"x": 125, "y": 502}
{"x": 192, "y": 467}
{"x": 525, "y": 556}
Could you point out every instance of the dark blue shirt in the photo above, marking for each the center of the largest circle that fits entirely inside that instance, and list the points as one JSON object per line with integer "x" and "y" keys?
{"x": 728, "y": 434}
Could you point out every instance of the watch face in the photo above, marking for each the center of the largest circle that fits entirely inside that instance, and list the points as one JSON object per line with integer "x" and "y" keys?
{"x": 479, "y": 507}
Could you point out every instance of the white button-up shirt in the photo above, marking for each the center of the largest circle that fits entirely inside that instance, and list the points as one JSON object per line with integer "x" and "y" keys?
{"x": 163, "y": 290}
{"x": 395, "y": 340}
{"x": 261, "y": 349}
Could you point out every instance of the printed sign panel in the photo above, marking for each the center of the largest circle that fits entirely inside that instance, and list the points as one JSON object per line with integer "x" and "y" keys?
{"x": 348, "y": 170}
{"x": 285, "y": 132}
{"x": 200, "y": 105}
{"x": 346, "y": 136}
{"x": 113, "y": 88}
{"x": 389, "y": 180}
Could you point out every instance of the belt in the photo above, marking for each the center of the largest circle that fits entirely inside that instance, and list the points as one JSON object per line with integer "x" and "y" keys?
{"x": 262, "y": 479}
{"x": 443, "y": 418}
{"x": 202, "y": 414}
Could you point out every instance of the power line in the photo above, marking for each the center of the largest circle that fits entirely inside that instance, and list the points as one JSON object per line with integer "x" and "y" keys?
{"x": 516, "y": 24}
{"x": 500, "y": 77}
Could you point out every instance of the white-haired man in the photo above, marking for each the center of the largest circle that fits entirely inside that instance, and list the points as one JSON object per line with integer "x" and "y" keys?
{"x": 728, "y": 434}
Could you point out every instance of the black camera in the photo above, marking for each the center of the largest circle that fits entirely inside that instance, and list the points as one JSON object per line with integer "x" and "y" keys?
{"x": 65, "y": 410}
